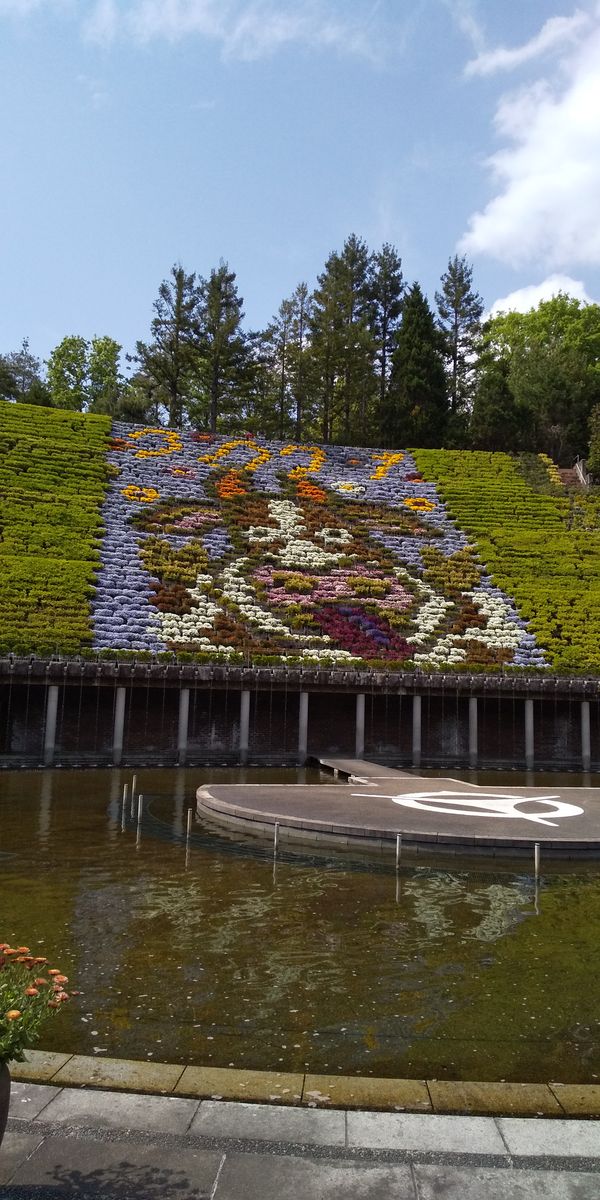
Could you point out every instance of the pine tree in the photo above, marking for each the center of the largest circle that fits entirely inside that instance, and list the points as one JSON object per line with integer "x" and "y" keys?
{"x": 168, "y": 361}
{"x": 416, "y": 409}
{"x": 224, "y": 366}
{"x": 387, "y": 288}
{"x": 343, "y": 347}
{"x": 459, "y": 309}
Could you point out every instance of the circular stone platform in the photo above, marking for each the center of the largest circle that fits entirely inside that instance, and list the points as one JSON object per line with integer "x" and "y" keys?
{"x": 375, "y": 804}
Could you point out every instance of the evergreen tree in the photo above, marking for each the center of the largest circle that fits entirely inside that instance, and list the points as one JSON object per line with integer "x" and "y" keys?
{"x": 343, "y": 343}
{"x": 497, "y": 422}
{"x": 8, "y": 383}
{"x": 224, "y": 366}
{"x": 459, "y": 309}
{"x": 299, "y": 355}
{"x": 416, "y": 409}
{"x": 27, "y": 372}
{"x": 387, "y": 288}
{"x": 168, "y": 362}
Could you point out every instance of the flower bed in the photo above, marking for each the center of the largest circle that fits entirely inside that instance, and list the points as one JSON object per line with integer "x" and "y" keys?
{"x": 256, "y": 551}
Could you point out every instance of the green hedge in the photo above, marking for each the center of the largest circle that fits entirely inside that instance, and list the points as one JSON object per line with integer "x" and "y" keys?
{"x": 53, "y": 477}
{"x": 541, "y": 546}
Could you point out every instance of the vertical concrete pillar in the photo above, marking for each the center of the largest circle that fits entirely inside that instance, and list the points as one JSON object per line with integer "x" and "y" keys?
{"x": 244, "y": 725}
{"x": 119, "y": 725}
{"x": 473, "y": 732}
{"x": 586, "y": 741}
{"x": 416, "y": 731}
{"x": 50, "y": 724}
{"x": 182, "y": 729}
{"x": 359, "y": 743}
{"x": 303, "y": 728}
{"x": 529, "y": 736}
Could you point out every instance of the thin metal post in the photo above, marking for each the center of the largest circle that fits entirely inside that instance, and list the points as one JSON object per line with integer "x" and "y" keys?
{"x": 398, "y": 850}
{"x": 190, "y": 814}
{"x": 536, "y": 859}
{"x": 133, "y": 789}
{"x": 124, "y": 805}
{"x": 276, "y": 839}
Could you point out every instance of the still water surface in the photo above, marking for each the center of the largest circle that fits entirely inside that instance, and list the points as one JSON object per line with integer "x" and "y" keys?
{"x": 325, "y": 963}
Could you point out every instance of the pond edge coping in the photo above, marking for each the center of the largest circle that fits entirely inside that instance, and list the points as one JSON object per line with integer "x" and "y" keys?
{"x": 467, "y": 1098}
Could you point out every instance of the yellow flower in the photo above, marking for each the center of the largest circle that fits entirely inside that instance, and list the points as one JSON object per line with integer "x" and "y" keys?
{"x": 144, "y": 494}
{"x": 172, "y": 441}
{"x": 419, "y": 504}
{"x": 388, "y": 460}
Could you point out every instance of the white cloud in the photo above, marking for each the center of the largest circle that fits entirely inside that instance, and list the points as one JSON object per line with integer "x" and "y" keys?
{"x": 525, "y": 298}
{"x": 548, "y": 175}
{"x": 250, "y": 29}
{"x": 554, "y": 35}
{"x": 102, "y": 23}
{"x": 464, "y": 15}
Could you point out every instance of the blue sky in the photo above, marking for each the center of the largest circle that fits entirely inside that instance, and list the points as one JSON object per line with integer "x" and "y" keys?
{"x": 138, "y": 133}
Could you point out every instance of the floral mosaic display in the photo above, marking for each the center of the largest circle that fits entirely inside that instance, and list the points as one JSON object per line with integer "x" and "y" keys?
{"x": 247, "y": 550}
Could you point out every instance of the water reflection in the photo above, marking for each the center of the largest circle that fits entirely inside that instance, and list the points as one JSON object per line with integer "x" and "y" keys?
{"x": 211, "y": 950}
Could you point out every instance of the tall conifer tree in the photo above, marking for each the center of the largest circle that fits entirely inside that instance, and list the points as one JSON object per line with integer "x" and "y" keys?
{"x": 416, "y": 408}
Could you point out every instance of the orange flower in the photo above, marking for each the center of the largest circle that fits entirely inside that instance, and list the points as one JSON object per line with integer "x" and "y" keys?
{"x": 8, "y": 951}
{"x": 23, "y": 950}
{"x": 40, "y": 982}
{"x": 13, "y": 1014}
{"x": 61, "y": 978}
{"x": 40, "y": 959}
{"x": 54, "y": 1004}
{"x": 31, "y": 991}
{"x": 54, "y": 971}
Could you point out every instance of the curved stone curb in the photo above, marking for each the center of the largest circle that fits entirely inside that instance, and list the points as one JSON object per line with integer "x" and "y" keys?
{"x": 308, "y": 1090}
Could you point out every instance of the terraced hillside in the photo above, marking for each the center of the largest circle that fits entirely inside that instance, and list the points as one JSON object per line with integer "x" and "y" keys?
{"x": 242, "y": 550}
{"x": 53, "y": 476}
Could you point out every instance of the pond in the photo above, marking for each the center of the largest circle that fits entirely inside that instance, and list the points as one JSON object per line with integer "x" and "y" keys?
{"x": 215, "y": 955}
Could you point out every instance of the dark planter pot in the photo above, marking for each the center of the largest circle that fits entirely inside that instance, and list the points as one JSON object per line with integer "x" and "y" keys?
{"x": 4, "y": 1097}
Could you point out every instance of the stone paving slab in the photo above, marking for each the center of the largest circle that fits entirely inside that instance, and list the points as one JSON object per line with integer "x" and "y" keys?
{"x": 301, "y": 1126}
{"x": 223, "y": 1083}
{"x": 40, "y": 1066}
{"x": 78, "y": 1167}
{"x": 532, "y": 1099}
{"x": 165, "y": 1114}
{"x": 16, "y": 1149}
{"x": 559, "y": 1139}
{"x": 28, "y": 1100}
{"x": 578, "y": 1099}
{"x": 118, "y": 1073}
{"x": 262, "y": 1177}
{"x": 347, "y": 1091}
{"x": 429, "y": 1134}
{"x": 452, "y": 1183}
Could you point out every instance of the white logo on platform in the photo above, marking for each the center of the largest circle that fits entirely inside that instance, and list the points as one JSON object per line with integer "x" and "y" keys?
{"x": 484, "y": 804}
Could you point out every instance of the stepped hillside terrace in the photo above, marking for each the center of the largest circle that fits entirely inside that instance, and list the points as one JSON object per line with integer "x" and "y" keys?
{"x": 133, "y": 552}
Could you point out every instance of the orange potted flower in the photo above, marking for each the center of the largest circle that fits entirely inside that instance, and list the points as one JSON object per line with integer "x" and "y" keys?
{"x": 30, "y": 992}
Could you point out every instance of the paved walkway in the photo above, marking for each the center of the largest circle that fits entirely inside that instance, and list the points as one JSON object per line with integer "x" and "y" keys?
{"x": 68, "y": 1142}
